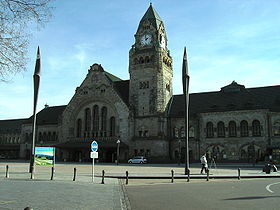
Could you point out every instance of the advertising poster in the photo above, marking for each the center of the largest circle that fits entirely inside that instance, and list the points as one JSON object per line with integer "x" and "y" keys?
{"x": 44, "y": 155}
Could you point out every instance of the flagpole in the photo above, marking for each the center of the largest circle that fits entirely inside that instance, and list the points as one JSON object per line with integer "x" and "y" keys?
{"x": 36, "y": 82}
{"x": 185, "y": 80}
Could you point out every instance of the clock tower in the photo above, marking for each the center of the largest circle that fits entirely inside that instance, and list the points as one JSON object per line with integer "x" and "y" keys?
{"x": 150, "y": 87}
{"x": 150, "y": 67}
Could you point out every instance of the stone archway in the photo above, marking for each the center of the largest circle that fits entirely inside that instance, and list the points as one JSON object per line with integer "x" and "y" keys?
{"x": 251, "y": 153}
{"x": 216, "y": 151}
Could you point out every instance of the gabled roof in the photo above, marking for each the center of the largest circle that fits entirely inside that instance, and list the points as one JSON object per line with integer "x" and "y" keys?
{"x": 11, "y": 126}
{"x": 48, "y": 115}
{"x": 233, "y": 100}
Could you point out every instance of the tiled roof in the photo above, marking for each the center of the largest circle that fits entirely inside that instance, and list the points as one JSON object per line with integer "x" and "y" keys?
{"x": 221, "y": 101}
{"x": 112, "y": 77}
{"x": 48, "y": 115}
{"x": 11, "y": 126}
{"x": 122, "y": 88}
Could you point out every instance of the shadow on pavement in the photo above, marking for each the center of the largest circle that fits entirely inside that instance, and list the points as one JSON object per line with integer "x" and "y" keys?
{"x": 252, "y": 198}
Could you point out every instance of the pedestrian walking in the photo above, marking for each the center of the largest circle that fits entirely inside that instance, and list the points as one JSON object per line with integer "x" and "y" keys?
{"x": 204, "y": 165}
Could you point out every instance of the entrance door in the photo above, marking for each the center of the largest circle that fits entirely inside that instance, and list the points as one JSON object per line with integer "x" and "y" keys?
{"x": 110, "y": 155}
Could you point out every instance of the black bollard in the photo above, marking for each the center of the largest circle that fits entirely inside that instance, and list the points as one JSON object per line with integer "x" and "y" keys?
{"x": 75, "y": 171}
{"x": 238, "y": 173}
{"x": 207, "y": 175}
{"x": 52, "y": 173}
{"x": 7, "y": 171}
{"x": 103, "y": 174}
{"x": 188, "y": 171}
{"x": 126, "y": 177}
{"x": 32, "y": 176}
{"x": 172, "y": 176}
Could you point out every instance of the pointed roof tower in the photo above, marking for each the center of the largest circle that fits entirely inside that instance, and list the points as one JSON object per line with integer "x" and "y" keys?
{"x": 152, "y": 16}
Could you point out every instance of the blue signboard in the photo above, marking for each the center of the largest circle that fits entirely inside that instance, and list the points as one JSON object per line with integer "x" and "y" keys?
{"x": 94, "y": 146}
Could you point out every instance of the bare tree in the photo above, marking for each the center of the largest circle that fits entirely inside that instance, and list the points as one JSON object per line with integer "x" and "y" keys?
{"x": 16, "y": 19}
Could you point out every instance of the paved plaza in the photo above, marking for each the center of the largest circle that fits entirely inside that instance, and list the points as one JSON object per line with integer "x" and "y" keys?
{"x": 19, "y": 191}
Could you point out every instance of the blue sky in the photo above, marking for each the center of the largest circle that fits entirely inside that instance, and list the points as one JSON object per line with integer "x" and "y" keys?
{"x": 226, "y": 40}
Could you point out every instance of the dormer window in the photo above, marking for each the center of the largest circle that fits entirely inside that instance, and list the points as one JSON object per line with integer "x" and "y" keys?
{"x": 233, "y": 87}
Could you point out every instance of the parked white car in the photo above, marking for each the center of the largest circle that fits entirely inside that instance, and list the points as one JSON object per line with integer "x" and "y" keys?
{"x": 138, "y": 159}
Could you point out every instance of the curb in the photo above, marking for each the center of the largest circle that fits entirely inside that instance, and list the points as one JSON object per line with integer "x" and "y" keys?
{"x": 192, "y": 177}
{"x": 125, "y": 203}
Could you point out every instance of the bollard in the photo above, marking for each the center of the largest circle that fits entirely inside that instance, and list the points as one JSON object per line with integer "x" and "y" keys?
{"x": 126, "y": 177}
{"x": 52, "y": 173}
{"x": 207, "y": 175}
{"x": 7, "y": 171}
{"x": 238, "y": 173}
{"x": 103, "y": 174}
{"x": 172, "y": 176}
{"x": 188, "y": 171}
{"x": 32, "y": 174}
{"x": 75, "y": 171}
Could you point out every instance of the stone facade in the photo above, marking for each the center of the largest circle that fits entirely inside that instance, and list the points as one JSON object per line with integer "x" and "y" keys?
{"x": 233, "y": 124}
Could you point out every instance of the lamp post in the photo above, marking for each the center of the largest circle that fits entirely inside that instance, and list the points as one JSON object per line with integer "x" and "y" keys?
{"x": 118, "y": 150}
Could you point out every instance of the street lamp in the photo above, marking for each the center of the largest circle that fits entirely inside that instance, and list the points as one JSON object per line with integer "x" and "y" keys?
{"x": 118, "y": 150}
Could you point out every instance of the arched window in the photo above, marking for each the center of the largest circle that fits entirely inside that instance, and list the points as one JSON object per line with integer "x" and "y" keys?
{"x": 26, "y": 137}
{"x": 49, "y": 136}
{"x": 147, "y": 59}
{"x": 95, "y": 118}
{"x": 112, "y": 126}
{"x": 40, "y": 136}
{"x": 87, "y": 119}
{"x": 244, "y": 128}
{"x": 44, "y": 137}
{"x": 104, "y": 120}
{"x": 256, "y": 128}
{"x": 141, "y": 60}
{"x": 221, "y": 129}
{"x": 175, "y": 132}
{"x": 209, "y": 130}
{"x": 276, "y": 128}
{"x": 232, "y": 129}
{"x": 79, "y": 128}
{"x": 191, "y": 132}
{"x": 53, "y": 136}
{"x": 182, "y": 132}
{"x": 135, "y": 61}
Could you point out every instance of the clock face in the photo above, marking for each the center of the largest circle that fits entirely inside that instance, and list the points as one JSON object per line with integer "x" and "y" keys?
{"x": 146, "y": 39}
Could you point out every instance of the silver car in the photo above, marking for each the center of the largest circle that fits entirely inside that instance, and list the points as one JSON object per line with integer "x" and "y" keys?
{"x": 138, "y": 159}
